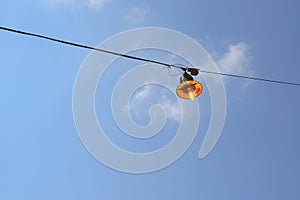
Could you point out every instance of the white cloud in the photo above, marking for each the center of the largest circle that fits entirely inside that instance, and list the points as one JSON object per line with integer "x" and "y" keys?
{"x": 143, "y": 97}
{"x": 171, "y": 108}
{"x": 55, "y": 2}
{"x": 98, "y": 4}
{"x": 236, "y": 61}
{"x": 136, "y": 15}
{"x": 143, "y": 94}
{"x": 93, "y": 4}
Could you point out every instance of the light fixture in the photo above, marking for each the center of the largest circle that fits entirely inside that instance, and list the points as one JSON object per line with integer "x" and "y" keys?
{"x": 188, "y": 88}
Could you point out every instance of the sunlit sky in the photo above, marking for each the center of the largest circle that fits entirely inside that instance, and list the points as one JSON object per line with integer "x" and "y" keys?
{"x": 257, "y": 155}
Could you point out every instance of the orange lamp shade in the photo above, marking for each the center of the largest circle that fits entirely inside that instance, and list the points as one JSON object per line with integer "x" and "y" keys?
{"x": 189, "y": 89}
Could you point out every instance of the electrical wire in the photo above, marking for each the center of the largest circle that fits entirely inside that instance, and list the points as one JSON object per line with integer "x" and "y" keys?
{"x": 144, "y": 59}
{"x": 251, "y": 78}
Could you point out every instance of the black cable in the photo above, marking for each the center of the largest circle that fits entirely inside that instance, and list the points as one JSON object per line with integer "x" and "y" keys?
{"x": 144, "y": 59}
{"x": 84, "y": 46}
{"x": 251, "y": 78}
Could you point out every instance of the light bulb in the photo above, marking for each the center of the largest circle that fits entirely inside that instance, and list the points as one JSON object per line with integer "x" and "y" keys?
{"x": 191, "y": 93}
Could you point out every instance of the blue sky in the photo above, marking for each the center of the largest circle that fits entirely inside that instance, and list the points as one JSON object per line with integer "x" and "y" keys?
{"x": 256, "y": 156}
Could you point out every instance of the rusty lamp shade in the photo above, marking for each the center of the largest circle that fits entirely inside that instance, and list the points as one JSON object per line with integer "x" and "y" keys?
{"x": 188, "y": 88}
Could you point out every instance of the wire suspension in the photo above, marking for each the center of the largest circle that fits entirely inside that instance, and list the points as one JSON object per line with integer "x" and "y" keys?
{"x": 144, "y": 59}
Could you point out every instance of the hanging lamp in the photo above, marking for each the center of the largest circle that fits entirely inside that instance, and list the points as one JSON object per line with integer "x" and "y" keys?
{"x": 189, "y": 88}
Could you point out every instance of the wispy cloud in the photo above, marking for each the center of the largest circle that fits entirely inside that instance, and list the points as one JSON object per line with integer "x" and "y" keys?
{"x": 143, "y": 94}
{"x": 236, "y": 61}
{"x": 136, "y": 15}
{"x": 146, "y": 95}
{"x": 93, "y": 4}
{"x": 172, "y": 108}
{"x": 57, "y": 2}
{"x": 98, "y": 4}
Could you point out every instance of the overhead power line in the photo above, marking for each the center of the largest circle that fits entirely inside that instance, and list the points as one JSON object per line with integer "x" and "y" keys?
{"x": 145, "y": 59}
